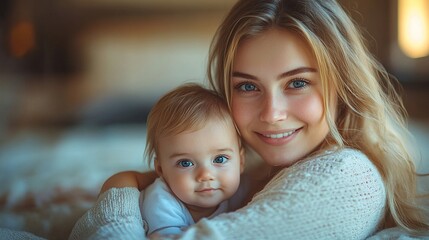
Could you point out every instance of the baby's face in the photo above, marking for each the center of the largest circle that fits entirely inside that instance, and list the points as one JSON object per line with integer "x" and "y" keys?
{"x": 202, "y": 167}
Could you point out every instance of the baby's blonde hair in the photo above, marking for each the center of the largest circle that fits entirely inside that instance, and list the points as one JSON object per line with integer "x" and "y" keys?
{"x": 370, "y": 115}
{"x": 186, "y": 108}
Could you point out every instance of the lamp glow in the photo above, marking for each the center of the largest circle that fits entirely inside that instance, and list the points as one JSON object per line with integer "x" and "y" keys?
{"x": 413, "y": 27}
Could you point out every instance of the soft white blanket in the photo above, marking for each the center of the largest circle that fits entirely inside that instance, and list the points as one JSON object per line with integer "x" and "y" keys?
{"x": 48, "y": 180}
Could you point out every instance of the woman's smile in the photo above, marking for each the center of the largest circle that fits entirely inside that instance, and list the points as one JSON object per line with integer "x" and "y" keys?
{"x": 279, "y": 135}
{"x": 278, "y": 138}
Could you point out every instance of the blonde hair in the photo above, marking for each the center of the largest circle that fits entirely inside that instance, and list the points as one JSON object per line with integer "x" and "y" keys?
{"x": 370, "y": 115}
{"x": 186, "y": 108}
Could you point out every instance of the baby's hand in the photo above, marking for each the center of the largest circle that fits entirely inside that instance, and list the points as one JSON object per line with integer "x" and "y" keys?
{"x": 121, "y": 180}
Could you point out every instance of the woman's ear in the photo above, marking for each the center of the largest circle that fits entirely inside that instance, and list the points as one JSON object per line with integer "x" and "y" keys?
{"x": 158, "y": 168}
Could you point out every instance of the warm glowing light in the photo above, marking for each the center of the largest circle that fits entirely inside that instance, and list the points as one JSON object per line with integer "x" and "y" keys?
{"x": 22, "y": 39}
{"x": 413, "y": 27}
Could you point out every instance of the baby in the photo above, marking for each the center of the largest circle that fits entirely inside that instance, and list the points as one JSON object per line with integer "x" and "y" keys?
{"x": 197, "y": 154}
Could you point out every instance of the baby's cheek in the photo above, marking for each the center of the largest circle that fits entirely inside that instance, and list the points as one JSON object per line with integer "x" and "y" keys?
{"x": 231, "y": 181}
{"x": 180, "y": 186}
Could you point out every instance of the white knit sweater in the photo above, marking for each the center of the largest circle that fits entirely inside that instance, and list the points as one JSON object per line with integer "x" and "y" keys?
{"x": 339, "y": 195}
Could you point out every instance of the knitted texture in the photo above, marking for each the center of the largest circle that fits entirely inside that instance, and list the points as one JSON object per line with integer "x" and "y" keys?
{"x": 115, "y": 215}
{"x": 17, "y": 235}
{"x": 338, "y": 195}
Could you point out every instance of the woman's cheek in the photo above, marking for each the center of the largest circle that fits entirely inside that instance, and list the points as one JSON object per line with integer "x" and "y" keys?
{"x": 240, "y": 112}
{"x": 308, "y": 109}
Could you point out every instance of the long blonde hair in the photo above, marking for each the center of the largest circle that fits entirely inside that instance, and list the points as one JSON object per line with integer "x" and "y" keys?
{"x": 370, "y": 115}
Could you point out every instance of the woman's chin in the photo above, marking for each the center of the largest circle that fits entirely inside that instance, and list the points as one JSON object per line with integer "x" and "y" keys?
{"x": 279, "y": 161}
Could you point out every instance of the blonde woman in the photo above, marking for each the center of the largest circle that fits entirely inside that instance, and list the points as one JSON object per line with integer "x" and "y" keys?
{"x": 311, "y": 101}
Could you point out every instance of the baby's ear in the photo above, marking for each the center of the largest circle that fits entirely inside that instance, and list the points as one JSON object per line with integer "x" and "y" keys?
{"x": 158, "y": 168}
{"x": 242, "y": 159}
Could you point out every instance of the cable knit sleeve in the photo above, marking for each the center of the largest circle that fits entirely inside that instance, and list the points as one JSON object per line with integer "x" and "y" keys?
{"x": 115, "y": 215}
{"x": 339, "y": 195}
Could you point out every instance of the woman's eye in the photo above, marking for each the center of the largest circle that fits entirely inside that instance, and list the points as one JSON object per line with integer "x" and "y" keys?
{"x": 299, "y": 83}
{"x": 220, "y": 159}
{"x": 185, "y": 163}
{"x": 246, "y": 87}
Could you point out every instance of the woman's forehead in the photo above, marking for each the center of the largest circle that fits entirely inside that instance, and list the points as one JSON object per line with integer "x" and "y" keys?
{"x": 276, "y": 50}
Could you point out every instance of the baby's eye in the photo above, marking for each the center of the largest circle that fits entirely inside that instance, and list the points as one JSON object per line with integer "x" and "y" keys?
{"x": 298, "y": 83}
{"x": 185, "y": 163}
{"x": 247, "y": 87}
{"x": 220, "y": 159}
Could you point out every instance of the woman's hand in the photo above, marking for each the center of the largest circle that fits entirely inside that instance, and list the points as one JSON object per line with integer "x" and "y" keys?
{"x": 129, "y": 179}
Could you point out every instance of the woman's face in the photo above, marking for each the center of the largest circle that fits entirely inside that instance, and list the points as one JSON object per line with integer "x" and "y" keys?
{"x": 277, "y": 97}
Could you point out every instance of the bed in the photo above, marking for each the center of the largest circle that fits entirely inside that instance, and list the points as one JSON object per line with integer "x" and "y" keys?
{"x": 49, "y": 179}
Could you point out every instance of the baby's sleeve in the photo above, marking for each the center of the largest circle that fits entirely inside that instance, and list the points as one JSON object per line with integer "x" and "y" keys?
{"x": 162, "y": 212}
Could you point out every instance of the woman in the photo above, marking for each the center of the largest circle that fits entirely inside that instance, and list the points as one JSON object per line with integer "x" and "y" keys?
{"x": 309, "y": 98}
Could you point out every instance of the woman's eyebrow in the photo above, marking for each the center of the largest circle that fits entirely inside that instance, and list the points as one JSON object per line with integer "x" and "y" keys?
{"x": 296, "y": 71}
{"x": 243, "y": 75}
{"x": 282, "y": 75}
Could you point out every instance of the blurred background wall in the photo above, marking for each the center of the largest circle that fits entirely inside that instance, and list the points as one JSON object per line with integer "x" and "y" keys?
{"x": 70, "y": 62}
{"x": 74, "y": 61}
{"x": 397, "y": 32}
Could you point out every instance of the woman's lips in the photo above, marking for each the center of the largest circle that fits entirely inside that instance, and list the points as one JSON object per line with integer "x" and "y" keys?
{"x": 280, "y": 135}
{"x": 278, "y": 138}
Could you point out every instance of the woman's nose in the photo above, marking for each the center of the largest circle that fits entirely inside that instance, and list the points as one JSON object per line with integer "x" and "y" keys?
{"x": 274, "y": 108}
{"x": 205, "y": 174}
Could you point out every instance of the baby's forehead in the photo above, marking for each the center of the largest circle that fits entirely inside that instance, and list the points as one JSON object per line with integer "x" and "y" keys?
{"x": 223, "y": 125}
{"x": 225, "y": 122}
{"x": 211, "y": 136}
